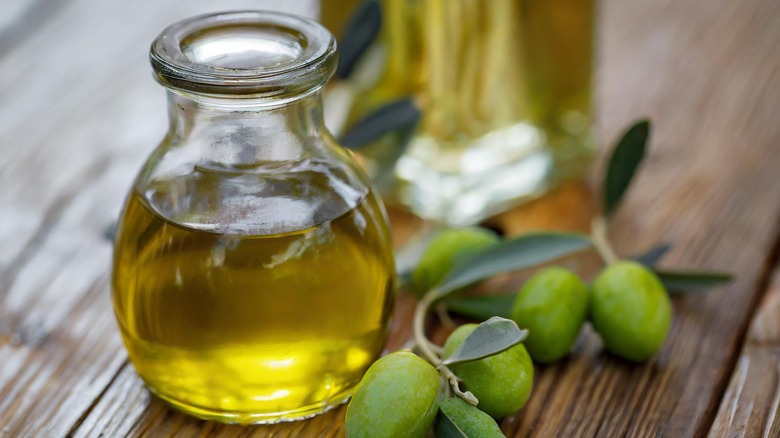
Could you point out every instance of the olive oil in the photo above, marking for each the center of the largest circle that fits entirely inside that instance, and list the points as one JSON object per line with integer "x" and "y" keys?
{"x": 334, "y": 14}
{"x": 482, "y": 66}
{"x": 505, "y": 92}
{"x": 251, "y": 322}
{"x": 253, "y": 276}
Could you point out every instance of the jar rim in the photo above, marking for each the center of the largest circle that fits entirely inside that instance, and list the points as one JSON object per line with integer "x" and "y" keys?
{"x": 237, "y": 53}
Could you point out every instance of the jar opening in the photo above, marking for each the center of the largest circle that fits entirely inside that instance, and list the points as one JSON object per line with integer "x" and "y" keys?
{"x": 244, "y": 53}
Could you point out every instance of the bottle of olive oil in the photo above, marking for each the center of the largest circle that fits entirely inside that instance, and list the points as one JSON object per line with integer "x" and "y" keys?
{"x": 253, "y": 273}
{"x": 505, "y": 92}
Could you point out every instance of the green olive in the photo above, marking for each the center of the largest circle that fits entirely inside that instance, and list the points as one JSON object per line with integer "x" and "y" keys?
{"x": 447, "y": 249}
{"x": 552, "y": 305}
{"x": 501, "y": 382}
{"x": 469, "y": 419}
{"x": 631, "y": 310}
{"x": 397, "y": 397}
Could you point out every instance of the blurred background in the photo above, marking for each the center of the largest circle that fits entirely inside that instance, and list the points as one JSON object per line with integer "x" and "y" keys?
{"x": 504, "y": 88}
{"x": 509, "y": 93}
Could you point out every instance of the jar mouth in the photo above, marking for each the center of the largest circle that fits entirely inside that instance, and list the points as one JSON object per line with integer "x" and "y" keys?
{"x": 253, "y": 53}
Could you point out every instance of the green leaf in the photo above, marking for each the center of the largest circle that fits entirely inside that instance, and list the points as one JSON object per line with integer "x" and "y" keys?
{"x": 491, "y": 337}
{"x": 691, "y": 281}
{"x": 446, "y": 427}
{"x": 653, "y": 255}
{"x": 464, "y": 420}
{"x": 361, "y": 30}
{"x": 400, "y": 115}
{"x": 521, "y": 252}
{"x": 623, "y": 163}
{"x": 386, "y": 152}
{"x": 483, "y": 308}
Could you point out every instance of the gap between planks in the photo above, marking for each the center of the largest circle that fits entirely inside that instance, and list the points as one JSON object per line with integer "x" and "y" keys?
{"x": 750, "y": 405}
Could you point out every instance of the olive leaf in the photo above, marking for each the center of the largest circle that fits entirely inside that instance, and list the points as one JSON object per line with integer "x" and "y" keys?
{"x": 458, "y": 419}
{"x": 361, "y": 30}
{"x": 691, "y": 281}
{"x": 521, "y": 252}
{"x": 385, "y": 154}
{"x": 623, "y": 163}
{"x": 653, "y": 255}
{"x": 484, "y": 307}
{"x": 491, "y": 337}
{"x": 447, "y": 428}
{"x": 399, "y": 115}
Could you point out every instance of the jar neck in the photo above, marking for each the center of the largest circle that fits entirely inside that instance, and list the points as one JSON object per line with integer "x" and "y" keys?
{"x": 246, "y": 130}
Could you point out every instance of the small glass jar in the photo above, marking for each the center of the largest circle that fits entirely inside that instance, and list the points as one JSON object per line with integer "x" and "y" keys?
{"x": 253, "y": 276}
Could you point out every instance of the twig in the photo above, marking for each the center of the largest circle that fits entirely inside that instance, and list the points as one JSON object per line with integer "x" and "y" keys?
{"x": 455, "y": 385}
{"x": 431, "y": 351}
{"x": 444, "y": 316}
{"x": 598, "y": 230}
{"x": 419, "y": 329}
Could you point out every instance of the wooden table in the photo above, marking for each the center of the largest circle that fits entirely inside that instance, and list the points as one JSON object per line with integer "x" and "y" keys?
{"x": 79, "y": 112}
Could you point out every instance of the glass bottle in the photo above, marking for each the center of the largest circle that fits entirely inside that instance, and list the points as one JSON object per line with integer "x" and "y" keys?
{"x": 505, "y": 92}
{"x": 253, "y": 275}
{"x": 334, "y": 14}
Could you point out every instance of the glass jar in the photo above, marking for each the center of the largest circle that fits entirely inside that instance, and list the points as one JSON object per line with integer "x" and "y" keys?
{"x": 505, "y": 92}
{"x": 253, "y": 276}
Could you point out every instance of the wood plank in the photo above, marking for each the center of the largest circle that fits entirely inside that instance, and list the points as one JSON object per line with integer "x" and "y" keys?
{"x": 59, "y": 348}
{"x": 20, "y": 19}
{"x": 751, "y": 406}
{"x": 608, "y": 398}
{"x": 709, "y": 187}
{"x": 73, "y": 132}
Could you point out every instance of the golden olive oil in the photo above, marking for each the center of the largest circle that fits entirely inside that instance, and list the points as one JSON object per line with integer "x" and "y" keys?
{"x": 484, "y": 65}
{"x": 334, "y": 14}
{"x": 248, "y": 328}
{"x": 504, "y": 88}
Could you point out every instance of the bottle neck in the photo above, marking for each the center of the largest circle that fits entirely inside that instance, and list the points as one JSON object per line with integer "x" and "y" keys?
{"x": 238, "y": 132}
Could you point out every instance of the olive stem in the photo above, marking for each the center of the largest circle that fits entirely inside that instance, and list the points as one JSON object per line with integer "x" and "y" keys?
{"x": 444, "y": 385}
{"x": 444, "y": 316}
{"x": 419, "y": 329}
{"x": 598, "y": 229}
{"x": 432, "y": 351}
{"x": 467, "y": 396}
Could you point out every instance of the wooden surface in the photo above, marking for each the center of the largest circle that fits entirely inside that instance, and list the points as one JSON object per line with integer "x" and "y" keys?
{"x": 79, "y": 112}
{"x": 751, "y": 405}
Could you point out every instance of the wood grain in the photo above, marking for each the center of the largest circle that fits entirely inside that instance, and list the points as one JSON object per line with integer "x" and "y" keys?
{"x": 709, "y": 187}
{"x": 73, "y": 131}
{"x": 79, "y": 113}
{"x": 751, "y": 406}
